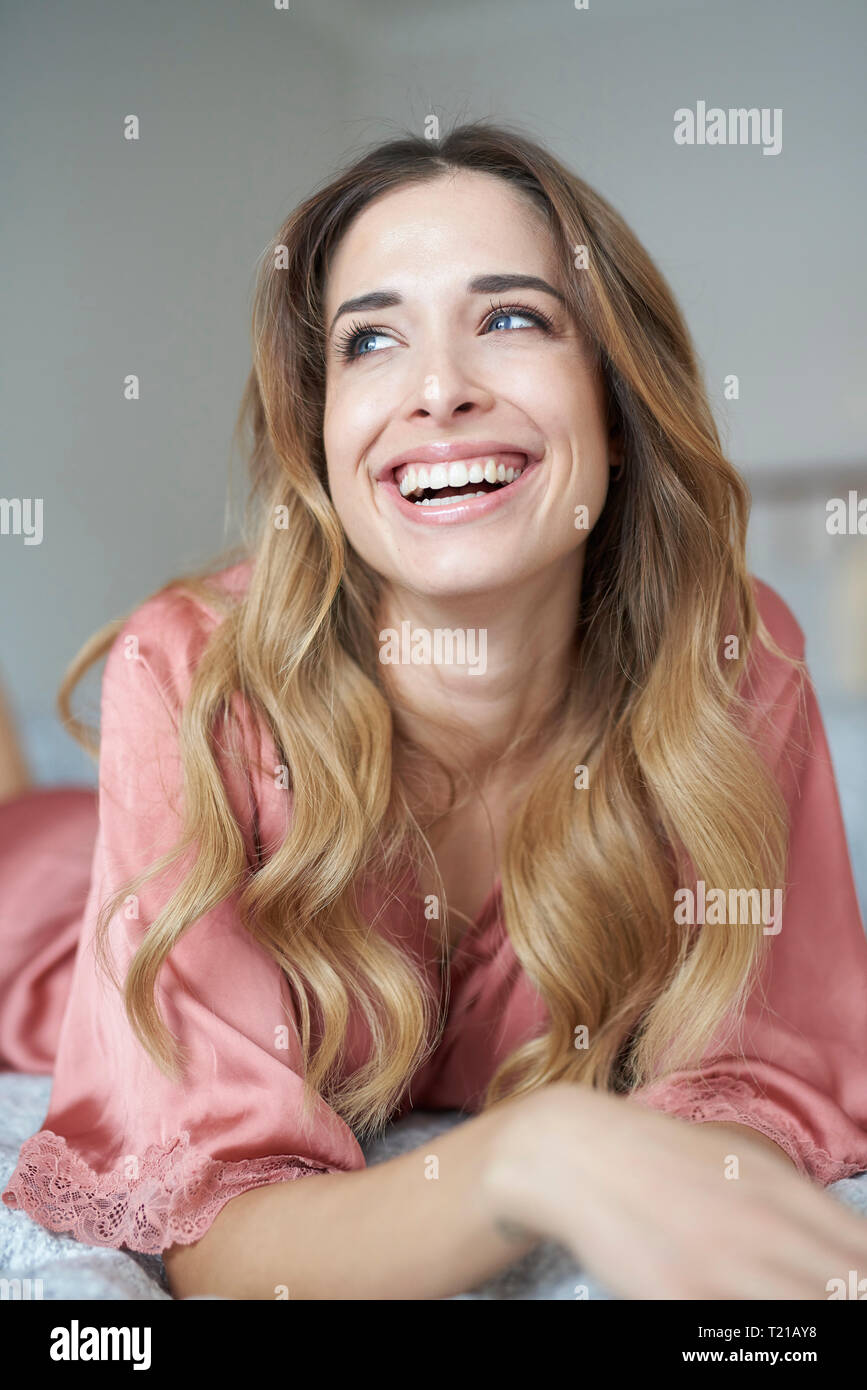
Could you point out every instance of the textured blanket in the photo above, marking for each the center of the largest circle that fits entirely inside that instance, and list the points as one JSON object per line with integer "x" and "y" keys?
{"x": 69, "y": 1269}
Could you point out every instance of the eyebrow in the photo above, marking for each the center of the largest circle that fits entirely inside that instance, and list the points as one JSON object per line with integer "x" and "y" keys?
{"x": 481, "y": 284}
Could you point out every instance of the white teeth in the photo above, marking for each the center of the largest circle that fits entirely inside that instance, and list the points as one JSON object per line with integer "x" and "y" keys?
{"x": 444, "y": 501}
{"x": 457, "y": 474}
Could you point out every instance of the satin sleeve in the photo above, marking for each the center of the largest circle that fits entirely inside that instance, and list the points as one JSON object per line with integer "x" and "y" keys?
{"x": 127, "y": 1157}
{"x": 799, "y": 1075}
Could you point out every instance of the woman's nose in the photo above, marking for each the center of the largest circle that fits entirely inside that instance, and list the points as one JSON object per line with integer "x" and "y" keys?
{"x": 447, "y": 388}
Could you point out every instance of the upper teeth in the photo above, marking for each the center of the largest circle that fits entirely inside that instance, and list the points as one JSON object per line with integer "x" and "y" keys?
{"x": 456, "y": 474}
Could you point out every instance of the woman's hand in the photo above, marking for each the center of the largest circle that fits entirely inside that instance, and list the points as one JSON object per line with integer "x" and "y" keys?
{"x": 644, "y": 1202}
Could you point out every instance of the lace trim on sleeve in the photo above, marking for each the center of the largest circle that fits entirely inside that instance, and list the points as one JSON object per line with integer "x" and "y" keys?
{"x": 173, "y": 1199}
{"x": 729, "y": 1098}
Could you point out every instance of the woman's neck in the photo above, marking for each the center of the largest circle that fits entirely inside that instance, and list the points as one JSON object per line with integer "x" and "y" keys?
{"x": 484, "y": 718}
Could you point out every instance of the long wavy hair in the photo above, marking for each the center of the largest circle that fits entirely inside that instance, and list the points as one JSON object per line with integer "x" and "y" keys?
{"x": 676, "y": 787}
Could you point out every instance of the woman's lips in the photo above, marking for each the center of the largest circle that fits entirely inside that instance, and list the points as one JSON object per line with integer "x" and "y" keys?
{"x": 473, "y": 508}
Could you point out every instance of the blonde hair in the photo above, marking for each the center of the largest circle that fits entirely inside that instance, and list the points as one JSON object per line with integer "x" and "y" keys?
{"x": 675, "y": 782}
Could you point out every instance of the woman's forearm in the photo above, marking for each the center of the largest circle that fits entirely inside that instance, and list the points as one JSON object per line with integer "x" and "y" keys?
{"x": 567, "y": 1163}
{"x": 751, "y": 1133}
{"x": 423, "y": 1225}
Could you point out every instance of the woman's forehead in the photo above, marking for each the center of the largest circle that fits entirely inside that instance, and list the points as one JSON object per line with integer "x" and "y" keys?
{"x": 440, "y": 234}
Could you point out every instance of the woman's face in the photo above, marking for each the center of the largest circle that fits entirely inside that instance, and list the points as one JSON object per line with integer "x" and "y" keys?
{"x": 446, "y": 378}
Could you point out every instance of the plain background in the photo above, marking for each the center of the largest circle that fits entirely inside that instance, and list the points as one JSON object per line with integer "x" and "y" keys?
{"x": 122, "y": 257}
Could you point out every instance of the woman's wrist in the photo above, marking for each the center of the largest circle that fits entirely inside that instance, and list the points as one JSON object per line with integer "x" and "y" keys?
{"x": 541, "y": 1136}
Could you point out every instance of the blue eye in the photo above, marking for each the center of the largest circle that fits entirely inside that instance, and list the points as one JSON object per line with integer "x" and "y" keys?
{"x": 354, "y": 335}
{"x": 362, "y": 337}
{"x": 511, "y": 314}
{"x": 536, "y": 317}
{"x": 351, "y": 340}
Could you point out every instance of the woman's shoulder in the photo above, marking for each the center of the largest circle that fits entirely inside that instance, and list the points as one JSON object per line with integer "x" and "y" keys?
{"x": 149, "y": 672}
{"x": 167, "y": 632}
{"x": 183, "y": 610}
{"x": 776, "y": 683}
{"x": 779, "y": 619}
{"x": 776, "y": 661}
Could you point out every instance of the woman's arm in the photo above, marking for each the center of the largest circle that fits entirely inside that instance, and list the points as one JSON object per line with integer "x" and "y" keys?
{"x": 420, "y": 1226}
{"x": 645, "y": 1201}
{"x": 751, "y": 1133}
{"x": 650, "y": 1206}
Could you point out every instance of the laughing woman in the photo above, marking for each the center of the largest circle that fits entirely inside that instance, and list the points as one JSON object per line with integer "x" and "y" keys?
{"x": 327, "y": 887}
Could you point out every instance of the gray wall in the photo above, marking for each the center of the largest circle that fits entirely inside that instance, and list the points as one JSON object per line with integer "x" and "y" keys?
{"x": 138, "y": 257}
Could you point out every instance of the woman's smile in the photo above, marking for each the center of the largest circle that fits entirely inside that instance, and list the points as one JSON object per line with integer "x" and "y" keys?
{"x": 465, "y": 490}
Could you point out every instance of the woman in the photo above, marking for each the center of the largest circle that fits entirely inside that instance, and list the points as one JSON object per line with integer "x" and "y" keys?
{"x": 344, "y": 867}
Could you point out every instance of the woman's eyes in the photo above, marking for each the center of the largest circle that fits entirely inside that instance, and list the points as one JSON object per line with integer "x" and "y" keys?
{"x": 359, "y": 333}
{"x": 346, "y": 346}
{"x": 535, "y": 318}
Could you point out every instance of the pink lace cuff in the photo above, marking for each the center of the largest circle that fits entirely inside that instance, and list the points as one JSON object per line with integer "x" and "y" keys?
{"x": 727, "y": 1098}
{"x": 174, "y": 1198}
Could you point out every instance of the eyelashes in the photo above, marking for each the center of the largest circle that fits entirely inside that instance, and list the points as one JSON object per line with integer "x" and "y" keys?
{"x": 346, "y": 342}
